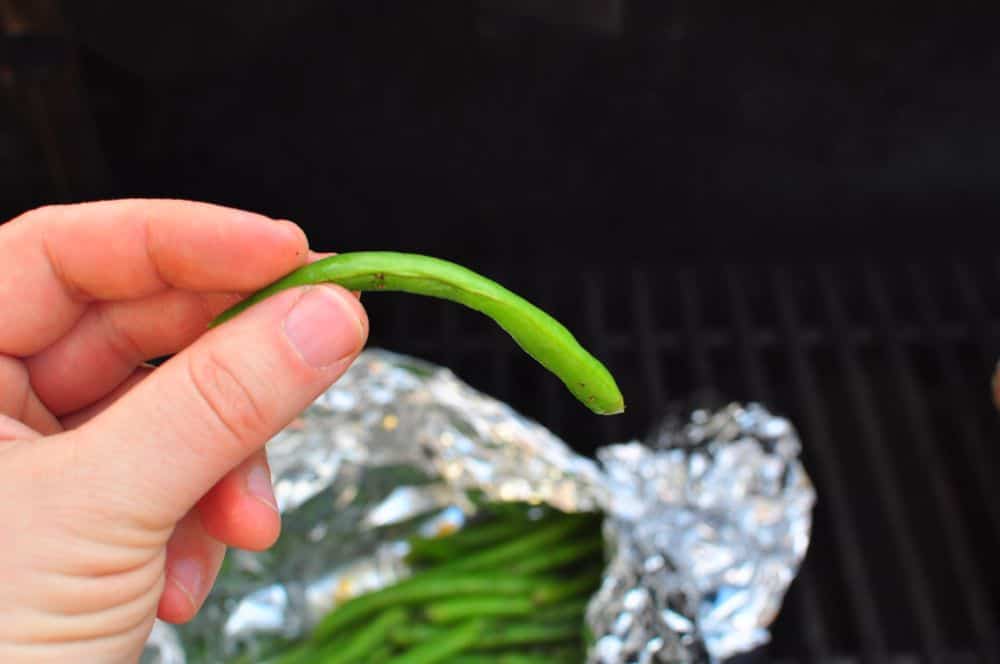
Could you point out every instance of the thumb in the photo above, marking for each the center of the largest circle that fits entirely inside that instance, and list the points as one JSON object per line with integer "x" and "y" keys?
{"x": 173, "y": 436}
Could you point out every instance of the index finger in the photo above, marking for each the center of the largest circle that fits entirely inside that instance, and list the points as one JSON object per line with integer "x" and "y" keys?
{"x": 58, "y": 259}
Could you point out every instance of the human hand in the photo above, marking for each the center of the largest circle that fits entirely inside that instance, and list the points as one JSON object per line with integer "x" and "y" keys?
{"x": 123, "y": 485}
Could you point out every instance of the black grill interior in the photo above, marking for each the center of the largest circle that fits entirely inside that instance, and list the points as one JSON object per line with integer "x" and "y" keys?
{"x": 886, "y": 372}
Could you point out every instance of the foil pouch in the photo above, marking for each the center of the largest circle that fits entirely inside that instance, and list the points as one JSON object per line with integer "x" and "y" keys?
{"x": 706, "y": 522}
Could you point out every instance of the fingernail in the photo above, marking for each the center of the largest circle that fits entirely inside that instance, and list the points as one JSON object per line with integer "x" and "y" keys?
{"x": 259, "y": 486}
{"x": 325, "y": 326}
{"x": 294, "y": 230}
{"x": 186, "y": 574}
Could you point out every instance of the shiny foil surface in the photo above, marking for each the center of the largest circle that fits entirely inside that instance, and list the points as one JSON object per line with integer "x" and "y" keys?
{"x": 706, "y": 523}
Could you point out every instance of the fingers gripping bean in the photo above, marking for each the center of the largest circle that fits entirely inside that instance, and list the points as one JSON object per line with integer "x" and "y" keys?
{"x": 540, "y": 335}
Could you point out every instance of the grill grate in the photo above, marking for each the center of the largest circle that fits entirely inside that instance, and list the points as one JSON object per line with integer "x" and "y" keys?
{"x": 886, "y": 372}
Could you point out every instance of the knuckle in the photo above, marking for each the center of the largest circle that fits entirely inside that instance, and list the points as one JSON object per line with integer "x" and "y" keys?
{"x": 122, "y": 341}
{"x": 228, "y": 398}
{"x": 45, "y": 214}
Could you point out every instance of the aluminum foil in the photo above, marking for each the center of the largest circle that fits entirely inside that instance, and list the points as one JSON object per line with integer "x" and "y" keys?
{"x": 706, "y": 522}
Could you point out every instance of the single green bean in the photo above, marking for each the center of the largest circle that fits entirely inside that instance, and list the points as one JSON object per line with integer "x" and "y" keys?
{"x": 554, "y": 592}
{"x": 410, "y": 634}
{"x": 504, "y": 554}
{"x": 560, "y": 657}
{"x": 445, "y": 646}
{"x": 523, "y": 634}
{"x": 360, "y": 647}
{"x": 540, "y": 335}
{"x": 486, "y": 606}
{"x": 569, "y": 610}
{"x": 437, "y": 549}
{"x": 296, "y": 655}
{"x": 514, "y": 511}
{"x": 417, "y": 589}
{"x": 382, "y": 655}
{"x": 498, "y": 635}
{"x": 560, "y": 556}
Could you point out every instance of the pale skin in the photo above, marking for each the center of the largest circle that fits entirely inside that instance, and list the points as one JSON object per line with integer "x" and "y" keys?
{"x": 123, "y": 486}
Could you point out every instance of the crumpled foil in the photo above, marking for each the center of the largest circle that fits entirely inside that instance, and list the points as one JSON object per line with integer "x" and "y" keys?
{"x": 706, "y": 523}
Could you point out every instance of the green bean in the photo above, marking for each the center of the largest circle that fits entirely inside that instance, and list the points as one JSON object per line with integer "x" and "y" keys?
{"x": 497, "y": 636}
{"x": 296, "y": 655}
{"x": 269, "y": 650}
{"x": 540, "y": 335}
{"x": 570, "y": 610}
{"x": 487, "y": 606}
{"x": 523, "y": 634}
{"x": 381, "y": 656}
{"x": 554, "y": 592}
{"x": 411, "y": 634}
{"x": 561, "y": 657}
{"x": 359, "y": 647}
{"x": 445, "y": 646}
{"x": 418, "y": 588}
{"x": 517, "y": 549}
{"x": 559, "y": 556}
{"x": 474, "y": 536}
{"x": 515, "y": 511}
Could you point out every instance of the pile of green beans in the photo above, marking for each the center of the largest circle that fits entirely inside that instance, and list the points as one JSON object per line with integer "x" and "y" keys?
{"x": 506, "y": 589}
{"x": 540, "y": 335}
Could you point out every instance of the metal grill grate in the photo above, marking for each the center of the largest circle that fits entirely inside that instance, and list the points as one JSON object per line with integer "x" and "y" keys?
{"x": 886, "y": 371}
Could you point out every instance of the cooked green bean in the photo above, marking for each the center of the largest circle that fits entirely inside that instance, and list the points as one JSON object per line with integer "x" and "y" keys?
{"x": 523, "y": 634}
{"x": 382, "y": 655}
{"x": 554, "y": 592}
{"x": 573, "y": 609}
{"x": 444, "y": 646}
{"x": 526, "y": 582}
{"x": 410, "y": 634}
{"x": 560, "y": 556}
{"x": 416, "y": 589}
{"x": 296, "y": 655}
{"x": 507, "y": 553}
{"x": 540, "y": 335}
{"x": 561, "y": 657}
{"x": 363, "y": 644}
{"x": 485, "y": 606}
{"x": 476, "y": 536}
{"x": 499, "y": 635}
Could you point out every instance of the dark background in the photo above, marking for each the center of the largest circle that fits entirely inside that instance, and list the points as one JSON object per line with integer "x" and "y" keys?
{"x": 786, "y": 201}
{"x": 654, "y": 130}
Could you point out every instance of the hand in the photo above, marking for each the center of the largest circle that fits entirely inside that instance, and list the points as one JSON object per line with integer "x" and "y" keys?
{"x": 122, "y": 485}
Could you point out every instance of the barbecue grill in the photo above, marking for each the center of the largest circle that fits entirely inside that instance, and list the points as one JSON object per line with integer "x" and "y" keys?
{"x": 883, "y": 363}
{"x": 886, "y": 372}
